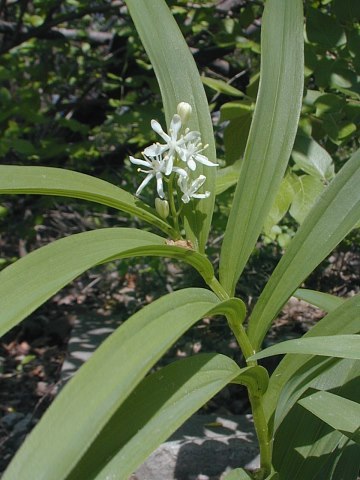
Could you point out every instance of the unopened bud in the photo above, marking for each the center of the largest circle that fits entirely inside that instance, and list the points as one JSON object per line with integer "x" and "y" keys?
{"x": 184, "y": 111}
{"x": 162, "y": 207}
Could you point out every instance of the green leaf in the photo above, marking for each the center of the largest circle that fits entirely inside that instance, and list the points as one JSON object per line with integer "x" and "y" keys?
{"x": 325, "y": 301}
{"x": 227, "y": 177}
{"x": 33, "y": 279}
{"x": 275, "y": 118}
{"x": 179, "y": 81}
{"x": 305, "y": 444}
{"x": 307, "y": 191}
{"x": 238, "y": 474}
{"x": 102, "y": 384}
{"x": 222, "y": 87}
{"x": 323, "y": 29}
{"x": 67, "y": 183}
{"x": 172, "y": 395}
{"x": 312, "y": 158}
{"x": 307, "y": 448}
{"x": 344, "y": 320}
{"x": 340, "y": 346}
{"x": 255, "y": 378}
{"x": 281, "y": 204}
{"x": 235, "y": 138}
{"x": 330, "y": 220}
{"x": 338, "y": 412}
{"x": 237, "y": 109}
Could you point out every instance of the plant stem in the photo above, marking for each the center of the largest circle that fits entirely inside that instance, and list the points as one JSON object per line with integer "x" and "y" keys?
{"x": 242, "y": 339}
{"x": 217, "y": 288}
{"x": 262, "y": 433}
{"x": 174, "y": 213}
{"x": 261, "y": 426}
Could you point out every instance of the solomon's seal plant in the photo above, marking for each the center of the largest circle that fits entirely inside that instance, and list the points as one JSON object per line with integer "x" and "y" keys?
{"x": 113, "y": 414}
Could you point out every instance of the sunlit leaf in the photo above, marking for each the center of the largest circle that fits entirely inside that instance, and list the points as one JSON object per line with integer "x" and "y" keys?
{"x": 172, "y": 395}
{"x": 325, "y": 301}
{"x": 238, "y": 474}
{"x": 297, "y": 372}
{"x": 271, "y": 136}
{"x": 179, "y": 81}
{"x": 306, "y": 192}
{"x": 333, "y": 216}
{"x": 227, "y": 177}
{"x": 222, "y": 87}
{"x": 67, "y": 183}
{"x": 312, "y": 158}
{"x": 30, "y": 281}
{"x": 338, "y": 412}
{"x": 92, "y": 397}
{"x": 340, "y": 346}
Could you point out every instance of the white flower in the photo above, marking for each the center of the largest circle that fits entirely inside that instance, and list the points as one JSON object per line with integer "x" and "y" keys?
{"x": 190, "y": 187}
{"x": 156, "y": 168}
{"x": 184, "y": 110}
{"x": 191, "y": 153}
{"x": 173, "y": 143}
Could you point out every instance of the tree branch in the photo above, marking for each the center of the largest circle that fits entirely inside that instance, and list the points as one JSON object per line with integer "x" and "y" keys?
{"x": 48, "y": 31}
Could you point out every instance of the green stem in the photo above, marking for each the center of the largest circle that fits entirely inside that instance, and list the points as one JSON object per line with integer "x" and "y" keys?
{"x": 217, "y": 288}
{"x": 242, "y": 339}
{"x": 256, "y": 400}
{"x": 173, "y": 211}
{"x": 262, "y": 432}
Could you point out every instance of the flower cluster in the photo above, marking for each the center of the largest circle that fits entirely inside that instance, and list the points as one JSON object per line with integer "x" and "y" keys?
{"x": 179, "y": 155}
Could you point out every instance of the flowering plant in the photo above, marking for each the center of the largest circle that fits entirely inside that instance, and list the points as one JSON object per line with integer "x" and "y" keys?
{"x": 166, "y": 162}
{"x": 112, "y": 415}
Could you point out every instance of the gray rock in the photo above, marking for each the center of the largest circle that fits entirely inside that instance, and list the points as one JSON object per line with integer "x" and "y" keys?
{"x": 205, "y": 447}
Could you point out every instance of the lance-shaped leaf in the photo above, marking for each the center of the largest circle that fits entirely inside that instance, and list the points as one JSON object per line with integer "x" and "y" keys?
{"x": 89, "y": 401}
{"x": 30, "y": 281}
{"x": 339, "y": 346}
{"x": 333, "y": 216}
{"x": 179, "y": 81}
{"x": 301, "y": 370}
{"x": 338, "y": 412}
{"x": 271, "y": 135}
{"x": 304, "y": 443}
{"x": 67, "y": 183}
{"x": 238, "y": 474}
{"x": 325, "y": 301}
{"x": 156, "y": 408}
{"x": 307, "y": 448}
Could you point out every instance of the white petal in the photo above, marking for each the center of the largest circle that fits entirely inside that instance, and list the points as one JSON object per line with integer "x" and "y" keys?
{"x": 169, "y": 164}
{"x": 191, "y": 164}
{"x": 185, "y": 198}
{"x": 175, "y": 126}
{"x": 155, "y": 149}
{"x": 191, "y": 136}
{"x": 182, "y": 152}
{"x": 144, "y": 183}
{"x": 159, "y": 185}
{"x": 201, "y": 195}
{"x": 204, "y": 160}
{"x": 137, "y": 161}
{"x": 158, "y": 129}
{"x": 181, "y": 172}
{"x": 197, "y": 183}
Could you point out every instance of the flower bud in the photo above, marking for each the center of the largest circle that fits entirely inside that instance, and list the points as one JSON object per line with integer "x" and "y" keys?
{"x": 184, "y": 111}
{"x": 162, "y": 207}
